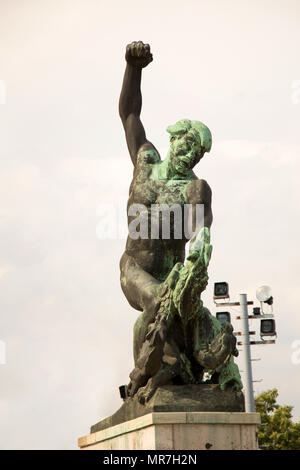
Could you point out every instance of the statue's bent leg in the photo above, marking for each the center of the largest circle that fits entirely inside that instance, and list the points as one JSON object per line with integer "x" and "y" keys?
{"x": 140, "y": 289}
{"x": 137, "y": 285}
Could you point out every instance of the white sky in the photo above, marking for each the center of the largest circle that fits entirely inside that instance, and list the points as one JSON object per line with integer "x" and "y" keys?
{"x": 67, "y": 327}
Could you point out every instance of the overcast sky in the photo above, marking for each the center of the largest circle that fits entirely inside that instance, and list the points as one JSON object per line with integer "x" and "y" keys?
{"x": 233, "y": 65}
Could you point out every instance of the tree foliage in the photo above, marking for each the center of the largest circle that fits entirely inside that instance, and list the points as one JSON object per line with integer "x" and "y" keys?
{"x": 277, "y": 431}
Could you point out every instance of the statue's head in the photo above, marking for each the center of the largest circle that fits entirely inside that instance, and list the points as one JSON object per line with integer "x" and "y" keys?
{"x": 189, "y": 142}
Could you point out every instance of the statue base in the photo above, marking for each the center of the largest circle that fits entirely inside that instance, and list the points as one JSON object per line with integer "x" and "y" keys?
{"x": 179, "y": 431}
{"x": 177, "y": 398}
{"x": 178, "y": 417}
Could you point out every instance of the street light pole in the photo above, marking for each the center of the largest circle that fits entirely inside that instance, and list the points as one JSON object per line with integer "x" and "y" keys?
{"x": 264, "y": 295}
{"x": 248, "y": 381}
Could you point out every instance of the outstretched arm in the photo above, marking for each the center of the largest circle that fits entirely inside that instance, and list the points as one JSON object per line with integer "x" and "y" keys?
{"x": 138, "y": 56}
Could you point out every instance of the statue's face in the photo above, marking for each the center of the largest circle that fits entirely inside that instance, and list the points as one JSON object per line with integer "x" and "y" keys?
{"x": 183, "y": 152}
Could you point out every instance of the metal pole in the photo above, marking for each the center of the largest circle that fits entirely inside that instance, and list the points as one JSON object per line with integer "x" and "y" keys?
{"x": 248, "y": 382}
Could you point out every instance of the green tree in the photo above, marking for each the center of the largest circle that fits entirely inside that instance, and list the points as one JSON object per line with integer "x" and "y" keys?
{"x": 277, "y": 432}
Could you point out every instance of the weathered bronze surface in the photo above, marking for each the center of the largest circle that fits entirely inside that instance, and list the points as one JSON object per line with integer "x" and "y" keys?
{"x": 177, "y": 342}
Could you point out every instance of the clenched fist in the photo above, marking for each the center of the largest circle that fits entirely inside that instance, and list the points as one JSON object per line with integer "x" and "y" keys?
{"x": 138, "y": 54}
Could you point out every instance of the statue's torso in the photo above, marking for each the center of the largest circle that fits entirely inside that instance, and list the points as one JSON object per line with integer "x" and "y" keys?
{"x": 156, "y": 255}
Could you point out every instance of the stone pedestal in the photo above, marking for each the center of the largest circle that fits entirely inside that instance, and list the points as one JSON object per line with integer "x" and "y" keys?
{"x": 178, "y": 431}
{"x": 174, "y": 398}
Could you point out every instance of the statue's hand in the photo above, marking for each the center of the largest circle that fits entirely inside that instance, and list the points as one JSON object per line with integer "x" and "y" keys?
{"x": 138, "y": 54}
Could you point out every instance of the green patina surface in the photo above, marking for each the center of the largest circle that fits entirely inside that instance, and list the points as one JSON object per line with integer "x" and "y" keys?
{"x": 176, "y": 339}
{"x": 200, "y": 132}
{"x": 197, "y": 140}
{"x": 181, "y": 313}
{"x": 194, "y": 278}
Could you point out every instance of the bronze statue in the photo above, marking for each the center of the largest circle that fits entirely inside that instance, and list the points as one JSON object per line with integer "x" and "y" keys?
{"x": 176, "y": 339}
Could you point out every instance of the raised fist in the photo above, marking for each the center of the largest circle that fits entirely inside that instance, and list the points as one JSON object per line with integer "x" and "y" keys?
{"x": 138, "y": 54}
